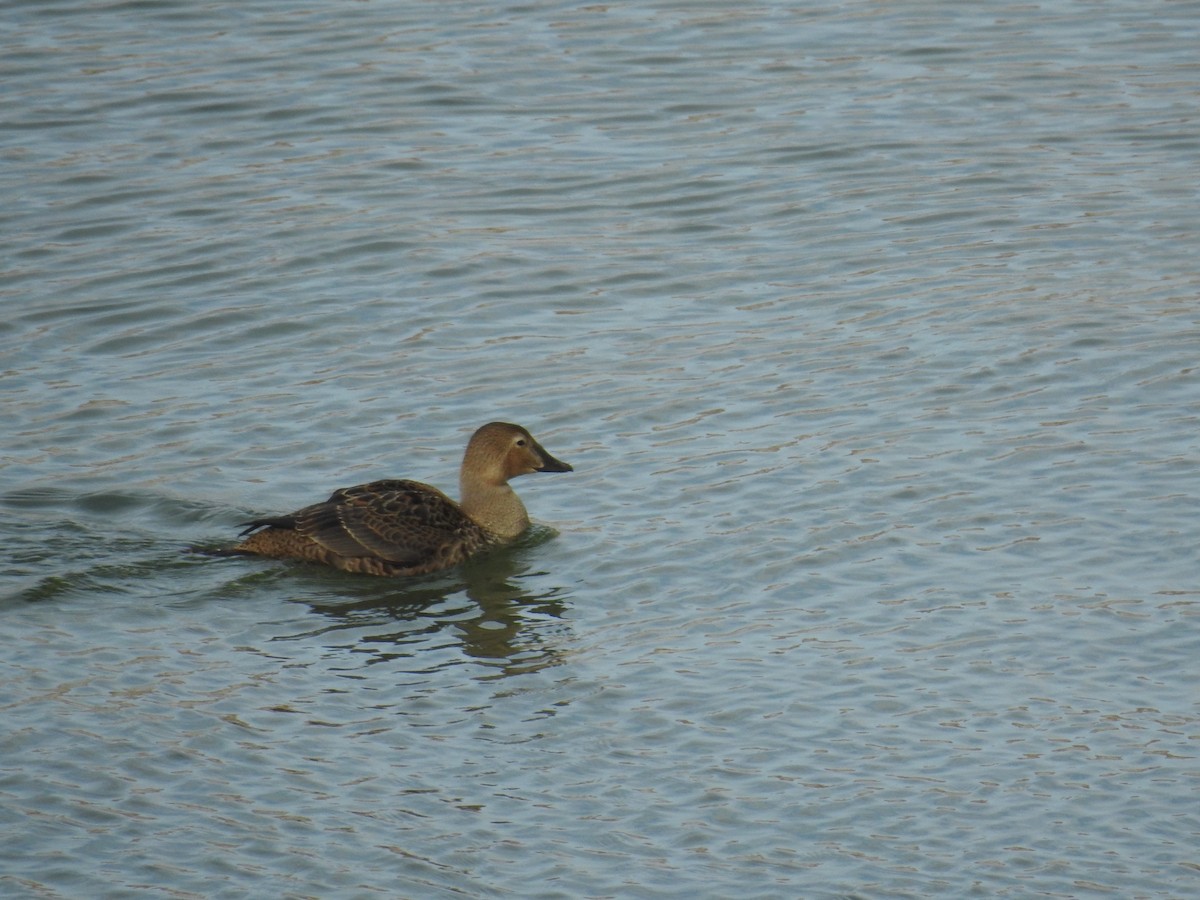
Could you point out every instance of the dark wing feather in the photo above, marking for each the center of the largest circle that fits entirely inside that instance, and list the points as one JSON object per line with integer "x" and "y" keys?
{"x": 271, "y": 522}
{"x": 403, "y": 522}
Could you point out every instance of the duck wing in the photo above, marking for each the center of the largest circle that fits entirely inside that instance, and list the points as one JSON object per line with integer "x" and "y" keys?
{"x": 404, "y": 522}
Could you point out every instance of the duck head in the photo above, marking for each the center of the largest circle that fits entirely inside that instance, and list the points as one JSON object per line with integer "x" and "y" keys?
{"x": 500, "y": 450}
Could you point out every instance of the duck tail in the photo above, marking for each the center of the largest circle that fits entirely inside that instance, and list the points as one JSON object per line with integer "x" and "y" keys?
{"x": 213, "y": 551}
{"x": 287, "y": 522}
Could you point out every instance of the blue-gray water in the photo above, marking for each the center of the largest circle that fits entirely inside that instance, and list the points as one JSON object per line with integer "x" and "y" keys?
{"x": 871, "y": 330}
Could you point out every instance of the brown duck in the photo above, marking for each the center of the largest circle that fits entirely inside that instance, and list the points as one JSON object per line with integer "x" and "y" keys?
{"x": 409, "y": 528}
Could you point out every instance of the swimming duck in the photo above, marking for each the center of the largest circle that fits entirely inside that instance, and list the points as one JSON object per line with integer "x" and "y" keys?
{"x": 409, "y": 528}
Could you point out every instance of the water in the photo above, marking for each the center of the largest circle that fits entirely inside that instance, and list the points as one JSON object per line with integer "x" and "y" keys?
{"x": 870, "y": 330}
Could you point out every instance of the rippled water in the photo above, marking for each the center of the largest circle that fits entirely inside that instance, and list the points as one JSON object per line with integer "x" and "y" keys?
{"x": 870, "y": 329}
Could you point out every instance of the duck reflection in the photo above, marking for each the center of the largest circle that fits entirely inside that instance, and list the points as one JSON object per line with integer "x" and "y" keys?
{"x": 483, "y": 611}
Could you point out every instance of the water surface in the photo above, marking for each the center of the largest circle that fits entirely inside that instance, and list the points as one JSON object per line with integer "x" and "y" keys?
{"x": 870, "y": 331}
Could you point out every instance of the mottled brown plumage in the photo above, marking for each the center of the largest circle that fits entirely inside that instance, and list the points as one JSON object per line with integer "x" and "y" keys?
{"x": 409, "y": 528}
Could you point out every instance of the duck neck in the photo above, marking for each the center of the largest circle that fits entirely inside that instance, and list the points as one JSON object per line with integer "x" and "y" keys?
{"x": 495, "y": 507}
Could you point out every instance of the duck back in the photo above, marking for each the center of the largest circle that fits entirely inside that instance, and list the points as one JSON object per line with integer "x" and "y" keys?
{"x": 381, "y": 528}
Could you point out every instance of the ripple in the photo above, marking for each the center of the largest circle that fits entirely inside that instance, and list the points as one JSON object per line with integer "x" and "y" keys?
{"x": 878, "y": 388}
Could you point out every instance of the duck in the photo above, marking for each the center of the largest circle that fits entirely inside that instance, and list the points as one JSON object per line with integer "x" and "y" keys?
{"x": 397, "y": 527}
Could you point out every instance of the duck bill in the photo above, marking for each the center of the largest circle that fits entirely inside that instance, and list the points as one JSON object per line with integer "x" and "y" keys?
{"x": 550, "y": 464}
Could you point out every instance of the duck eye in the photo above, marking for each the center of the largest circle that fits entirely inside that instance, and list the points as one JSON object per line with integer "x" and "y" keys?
{"x": 520, "y": 442}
